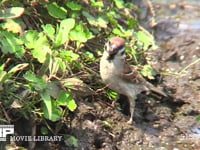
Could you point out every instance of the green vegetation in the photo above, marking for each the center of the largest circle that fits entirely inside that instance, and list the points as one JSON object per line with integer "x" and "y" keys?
{"x": 49, "y": 52}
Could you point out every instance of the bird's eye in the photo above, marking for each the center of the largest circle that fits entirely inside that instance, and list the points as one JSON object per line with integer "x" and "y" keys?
{"x": 122, "y": 53}
{"x": 104, "y": 47}
{"x": 107, "y": 46}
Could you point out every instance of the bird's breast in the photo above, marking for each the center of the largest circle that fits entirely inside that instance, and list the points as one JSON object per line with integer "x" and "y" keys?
{"x": 109, "y": 70}
{"x": 110, "y": 75}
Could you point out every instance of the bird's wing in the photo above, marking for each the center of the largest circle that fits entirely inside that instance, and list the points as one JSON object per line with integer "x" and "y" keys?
{"x": 132, "y": 75}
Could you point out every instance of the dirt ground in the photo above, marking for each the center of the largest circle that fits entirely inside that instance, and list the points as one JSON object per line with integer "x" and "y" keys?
{"x": 160, "y": 123}
{"x": 164, "y": 124}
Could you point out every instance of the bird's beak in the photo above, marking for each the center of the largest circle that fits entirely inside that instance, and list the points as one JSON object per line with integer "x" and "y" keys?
{"x": 112, "y": 51}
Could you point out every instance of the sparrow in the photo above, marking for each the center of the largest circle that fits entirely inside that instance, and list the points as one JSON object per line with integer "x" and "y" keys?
{"x": 119, "y": 76}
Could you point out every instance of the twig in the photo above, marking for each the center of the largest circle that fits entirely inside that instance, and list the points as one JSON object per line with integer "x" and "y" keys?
{"x": 92, "y": 71}
{"x": 178, "y": 74}
{"x": 5, "y": 113}
{"x": 152, "y": 12}
{"x": 188, "y": 66}
{"x": 98, "y": 91}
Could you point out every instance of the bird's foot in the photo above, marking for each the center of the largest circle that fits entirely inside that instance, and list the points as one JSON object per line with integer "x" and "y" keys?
{"x": 130, "y": 122}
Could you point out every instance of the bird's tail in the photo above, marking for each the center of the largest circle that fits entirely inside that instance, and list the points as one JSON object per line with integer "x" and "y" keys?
{"x": 156, "y": 90}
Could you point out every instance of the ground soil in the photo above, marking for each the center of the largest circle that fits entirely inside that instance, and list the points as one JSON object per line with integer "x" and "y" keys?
{"x": 160, "y": 123}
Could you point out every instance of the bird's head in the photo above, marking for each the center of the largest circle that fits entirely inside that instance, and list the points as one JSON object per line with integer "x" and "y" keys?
{"x": 115, "y": 47}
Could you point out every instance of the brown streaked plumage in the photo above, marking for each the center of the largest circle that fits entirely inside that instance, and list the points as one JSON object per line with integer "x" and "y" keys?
{"x": 134, "y": 76}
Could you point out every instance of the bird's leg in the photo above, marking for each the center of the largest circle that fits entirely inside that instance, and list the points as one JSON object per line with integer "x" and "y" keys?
{"x": 132, "y": 108}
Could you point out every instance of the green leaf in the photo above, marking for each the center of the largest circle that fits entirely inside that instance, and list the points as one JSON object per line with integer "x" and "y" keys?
{"x": 2, "y": 67}
{"x": 41, "y": 48}
{"x": 198, "y": 118}
{"x": 119, "y": 3}
{"x": 47, "y": 101}
{"x": 63, "y": 97}
{"x": 50, "y": 108}
{"x": 108, "y": 124}
{"x": 17, "y": 68}
{"x": 44, "y": 130}
{"x": 30, "y": 38}
{"x": 62, "y": 65}
{"x": 49, "y": 31}
{"x": 56, "y": 11}
{"x": 66, "y": 99}
{"x": 132, "y": 23}
{"x": 39, "y": 44}
{"x": 74, "y": 6}
{"x": 145, "y": 39}
{"x": 56, "y": 112}
{"x": 10, "y": 13}
{"x": 118, "y": 32}
{"x": 54, "y": 65}
{"x": 97, "y": 4}
{"x": 69, "y": 56}
{"x": 11, "y": 44}
{"x": 71, "y": 141}
{"x": 13, "y": 25}
{"x": 6, "y": 75}
{"x": 41, "y": 53}
{"x": 100, "y": 21}
{"x": 111, "y": 15}
{"x": 54, "y": 89}
{"x": 37, "y": 83}
{"x": 90, "y": 18}
{"x": 71, "y": 104}
{"x": 80, "y": 34}
{"x": 148, "y": 71}
{"x": 112, "y": 94}
{"x": 121, "y": 32}
{"x": 89, "y": 56}
{"x": 2, "y": 74}
{"x": 63, "y": 31}
{"x": 77, "y": 86}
